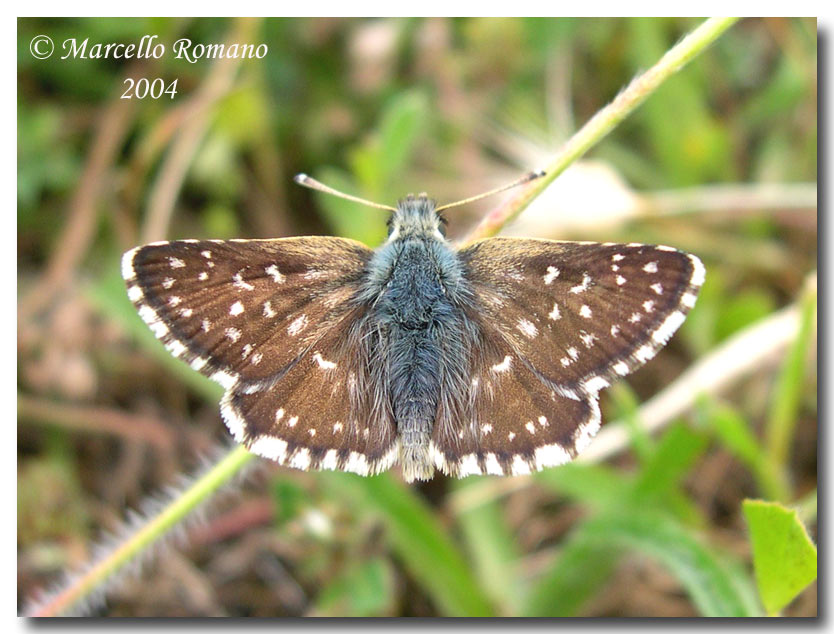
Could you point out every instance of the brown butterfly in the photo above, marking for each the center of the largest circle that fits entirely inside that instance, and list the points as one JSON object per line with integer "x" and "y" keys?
{"x": 483, "y": 360}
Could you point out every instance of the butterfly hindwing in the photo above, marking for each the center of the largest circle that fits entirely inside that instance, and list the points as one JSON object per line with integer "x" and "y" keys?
{"x": 516, "y": 422}
{"x": 318, "y": 415}
{"x": 243, "y": 310}
{"x": 582, "y": 314}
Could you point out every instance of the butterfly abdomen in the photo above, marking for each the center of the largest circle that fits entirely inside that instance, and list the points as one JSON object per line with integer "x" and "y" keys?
{"x": 415, "y": 313}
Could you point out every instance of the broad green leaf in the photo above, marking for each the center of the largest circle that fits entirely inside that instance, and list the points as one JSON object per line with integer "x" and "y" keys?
{"x": 417, "y": 538}
{"x": 784, "y": 557}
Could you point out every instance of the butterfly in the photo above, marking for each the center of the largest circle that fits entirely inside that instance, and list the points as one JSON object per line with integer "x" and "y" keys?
{"x": 487, "y": 359}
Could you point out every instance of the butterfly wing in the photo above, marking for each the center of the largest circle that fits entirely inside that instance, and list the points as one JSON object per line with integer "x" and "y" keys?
{"x": 262, "y": 317}
{"x": 559, "y": 321}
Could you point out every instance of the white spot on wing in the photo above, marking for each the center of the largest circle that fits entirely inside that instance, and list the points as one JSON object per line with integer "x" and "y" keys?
{"x": 236, "y": 309}
{"x": 530, "y": 427}
{"x": 232, "y": 334}
{"x": 585, "y": 312}
{"x": 134, "y": 293}
{"x": 617, "y": 257}
{"x": 168, "y": 282}
{"x": 504, "y": 365}
{"x": 644, "y": 353}
{"x": 621, "y": 280}
{"x": 698, "y": 271}
{"x": 648, "y": 306}
{"x": 268, "y": 312}
{"x": 176, "y": 263}
{"x": 493, "y": 467}
{"x": 527, "y": 328}
{"x": 324, "y": 364}
{"x": 657, "y": 288}
{"x": 621, "y": 368}
{"x": 688, "y": 300}
{"x": 668, "y": 327}
{"x": 586, "y": 283}
{"x": 239, "y": 282}
{"x": 555, "y": 314}
{"x": 275, "y": 274}
{"x": 651, "y": 267}
{"x": 206, "y": 254}
{"x": 552, "y": 274}
{"x": 203, "y": 276}
{"x": 297, "y": 325}
{"x": 127, "y": 264}
{"x": 595, "y": 384}
{"x": 615, "y": 330}
{"x": 587, "y": 338}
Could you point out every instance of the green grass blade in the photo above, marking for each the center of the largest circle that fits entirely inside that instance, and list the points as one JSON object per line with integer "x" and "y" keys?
{"x": 580, "y": 570}
{"x": 492, "y": 548}
{"x": 784, "y": 409}
{"x": 716, "y": 585}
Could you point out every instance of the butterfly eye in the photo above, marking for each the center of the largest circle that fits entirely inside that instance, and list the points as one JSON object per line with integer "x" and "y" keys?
{"x": 390, "y": 223}
{"x": 441, "y": 226}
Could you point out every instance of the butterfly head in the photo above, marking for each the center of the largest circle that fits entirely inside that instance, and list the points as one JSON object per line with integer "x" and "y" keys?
{"x": 416, "y": 217}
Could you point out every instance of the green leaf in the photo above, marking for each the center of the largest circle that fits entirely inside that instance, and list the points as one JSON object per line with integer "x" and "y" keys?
{"x": 417, "y": 537}
{"x": 364, "y": 590}
{"x": 784, "y": 557}
{"x": 717, "y": 585}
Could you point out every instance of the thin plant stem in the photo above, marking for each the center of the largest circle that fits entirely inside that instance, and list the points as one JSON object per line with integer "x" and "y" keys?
{"x": 605, "y": 121}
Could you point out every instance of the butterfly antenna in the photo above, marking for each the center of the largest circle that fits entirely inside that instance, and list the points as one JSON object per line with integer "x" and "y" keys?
{"x": 312, "y": 183}
{"x": 531, "y": 176}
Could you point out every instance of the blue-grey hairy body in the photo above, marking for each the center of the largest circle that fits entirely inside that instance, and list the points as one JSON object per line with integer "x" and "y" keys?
{"x": 420, "y": 337}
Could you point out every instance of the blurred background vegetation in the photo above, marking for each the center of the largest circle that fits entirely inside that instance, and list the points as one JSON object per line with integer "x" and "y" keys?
{"x": 720, "y": 161}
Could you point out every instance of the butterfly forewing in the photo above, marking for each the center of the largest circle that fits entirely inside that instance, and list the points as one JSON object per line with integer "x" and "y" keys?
{"x": 273, "y": 321}
{"x": 581, "y": 314}
{"x": 243, "y": 310}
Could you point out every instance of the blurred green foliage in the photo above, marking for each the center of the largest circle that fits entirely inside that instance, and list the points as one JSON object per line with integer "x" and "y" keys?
{"x": 379, "y": 108}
